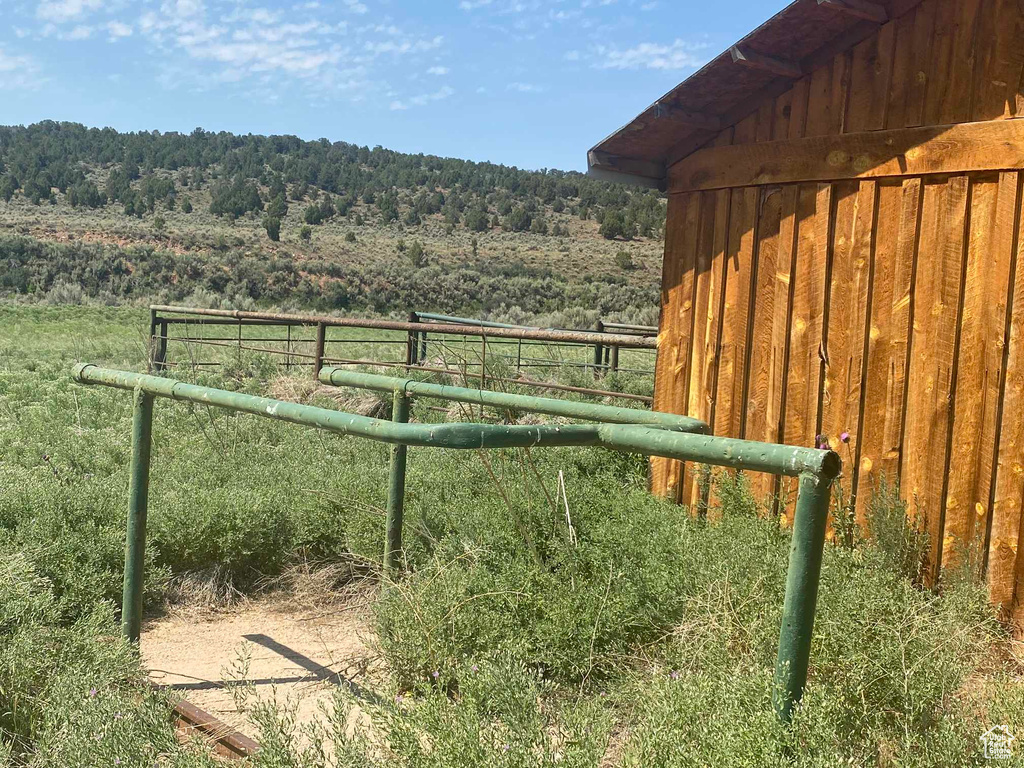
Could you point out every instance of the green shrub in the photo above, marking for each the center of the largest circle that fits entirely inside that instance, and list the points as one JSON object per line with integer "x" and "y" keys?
{"x": 503, "y": 716}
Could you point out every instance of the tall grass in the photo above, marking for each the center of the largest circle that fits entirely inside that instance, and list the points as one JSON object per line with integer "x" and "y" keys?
{"x": 640, "y": 636}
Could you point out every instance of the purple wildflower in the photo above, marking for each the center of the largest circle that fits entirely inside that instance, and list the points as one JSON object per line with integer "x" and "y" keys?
{"x": 92, "y": 693}
{"x": 436, "y": 674}
{"x": 674, "y": 674}
{"x": 475, "y": 668}
{"x": 845, "y": 437}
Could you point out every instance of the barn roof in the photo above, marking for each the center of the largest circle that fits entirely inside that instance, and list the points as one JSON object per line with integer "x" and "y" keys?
{"x": 762, "y": 65}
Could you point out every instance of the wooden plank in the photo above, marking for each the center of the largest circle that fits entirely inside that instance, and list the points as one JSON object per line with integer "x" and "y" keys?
{"x": 675, "y": 331}
{"x": 747, "y": 57}
{"x": 805, "y": 368}
{"x": 979, "y": 368}
{"x": 873, "y": 461}
{"x": 856, "y": 211}
{"x": 958, "y": 95}
{"x": 940, "y": 64}
{"x": 765, "y": 121}
{"x": 941, "y": 149}
{"x": 933, "y": 353}
{"x": 858, "y": 9}
{"x": 903, "y": 72}
{"x": 840, "y": 94}
{"x": 798, "y": 114}
{"x": 870, "y": 74}
{"x": 766, "y": 359}
{"x": 819, "y": 103}
{"x": 710, "y": 297}
{"x": 902, "y": 317}
{"x": 735, "y": 317}
{"x": 1000, "y": 62}
{"x": 782, "y": 116}
{"x": 598, "y": 160}
{"x": 917, "y": 92}
{"x": 1005, "y": 554}
{"x": 688, "y": 118}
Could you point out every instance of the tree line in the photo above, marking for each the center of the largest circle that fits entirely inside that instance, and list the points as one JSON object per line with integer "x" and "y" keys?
{"x": 248, "y": 174}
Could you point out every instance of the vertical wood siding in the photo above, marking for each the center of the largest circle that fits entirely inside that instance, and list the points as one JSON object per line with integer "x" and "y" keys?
{"x": 891, "y": 310}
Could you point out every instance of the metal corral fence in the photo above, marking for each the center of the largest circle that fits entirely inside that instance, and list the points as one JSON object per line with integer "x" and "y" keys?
{"x": 622, "y": 429}
{"x": 425, "y": 342}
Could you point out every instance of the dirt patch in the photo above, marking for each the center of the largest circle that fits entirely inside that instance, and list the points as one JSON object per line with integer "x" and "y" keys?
{"x": 280, "y": 648}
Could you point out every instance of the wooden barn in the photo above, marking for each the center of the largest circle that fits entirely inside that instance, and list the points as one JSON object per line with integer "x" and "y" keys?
{"x": 842, "y": 256}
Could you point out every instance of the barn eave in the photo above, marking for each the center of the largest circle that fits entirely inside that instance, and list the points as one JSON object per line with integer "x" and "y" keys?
{"x": 763, "y": 64}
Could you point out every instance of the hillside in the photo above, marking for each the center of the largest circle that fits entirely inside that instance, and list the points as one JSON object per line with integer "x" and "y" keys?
{"x": 229, "y": 220}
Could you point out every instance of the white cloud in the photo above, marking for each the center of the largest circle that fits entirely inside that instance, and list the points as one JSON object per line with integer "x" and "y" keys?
{"x": 472, "y": 5}
{"x": 60, "y": 11}
{"x": 525, "y": 87}
{"x": 17, "y": 71}
{"x": 423, "y": 99}
{"x": 259, "y": 49}
{"x": 118, "y": 29}
{"x": 437, "y": 71}
{"x": 572, "y": 56}
{"x": 404, "y": 46}
{"x": 80, "y": 32}
{"x": 680, "y": 54}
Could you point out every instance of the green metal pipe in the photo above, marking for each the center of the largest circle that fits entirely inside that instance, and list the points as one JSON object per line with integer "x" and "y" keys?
{"x": 341, "y": 377}
{"x": 805, "y": 554}
{"x": 138, "y": 504}
{"x": 816, "y": 469}
{"x": 722, "y": 451}
{"x": 396, "y": 490}
{"x": 648, "y": 439}
{"x": 465, "y": 436}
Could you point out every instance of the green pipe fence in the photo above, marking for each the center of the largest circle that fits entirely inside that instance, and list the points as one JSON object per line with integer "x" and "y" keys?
{"x": 343, "y": 377}
{"x": 673, "y": 437}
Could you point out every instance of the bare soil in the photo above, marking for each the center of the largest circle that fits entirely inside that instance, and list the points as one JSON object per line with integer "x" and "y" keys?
{"x": 224, "y": 660}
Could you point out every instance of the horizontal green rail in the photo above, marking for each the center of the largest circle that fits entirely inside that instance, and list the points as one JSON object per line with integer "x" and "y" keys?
{"x": 343, "y": 377}
{"x": 671, "y": 437}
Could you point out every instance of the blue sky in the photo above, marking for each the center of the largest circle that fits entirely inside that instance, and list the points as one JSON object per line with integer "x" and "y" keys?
{"x": 531, "y": 83}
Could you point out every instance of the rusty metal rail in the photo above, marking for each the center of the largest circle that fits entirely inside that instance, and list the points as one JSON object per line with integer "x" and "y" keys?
{"x": 520, "y": 347}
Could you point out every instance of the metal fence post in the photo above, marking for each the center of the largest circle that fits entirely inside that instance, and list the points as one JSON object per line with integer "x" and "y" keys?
{"x": 805, "y": 553}
{"x": 161, "y": 347}
{"x": 321, "y": 343}
{"x": 614, "y": 358}
{"x": 138, "y": 503}
{"x": 423, "y": 346}
{"x": 412, "y": 339}
{"x": 598, "y": 351}
{"x": 157, "y": 343}
{"x": 396, "y": 489}
{"x": 152, "y": 340}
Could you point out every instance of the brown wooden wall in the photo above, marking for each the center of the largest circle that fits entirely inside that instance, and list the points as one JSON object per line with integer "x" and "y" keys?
{"x": 883, "y": 307}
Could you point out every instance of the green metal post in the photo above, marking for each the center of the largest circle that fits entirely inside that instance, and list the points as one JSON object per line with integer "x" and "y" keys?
{"x": 396, "y": 489}
{"x": 138, "y": 492}
{"x": 805, "y": 553}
